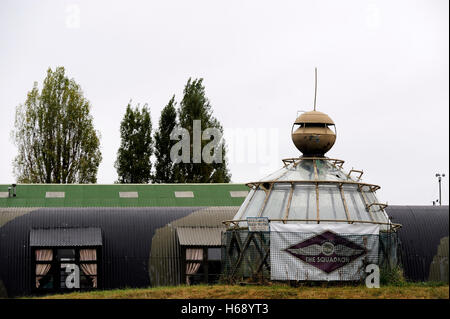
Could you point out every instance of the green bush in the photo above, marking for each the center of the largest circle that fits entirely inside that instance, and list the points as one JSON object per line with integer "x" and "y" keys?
{"x": 392, "y": 276}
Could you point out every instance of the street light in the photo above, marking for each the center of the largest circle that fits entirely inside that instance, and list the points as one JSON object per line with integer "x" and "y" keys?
{"x": 439, "y": 176}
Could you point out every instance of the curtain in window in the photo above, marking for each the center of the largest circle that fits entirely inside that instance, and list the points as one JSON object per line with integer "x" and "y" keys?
{"x": 192, "y": 267}
{"x": 42, "y": 269}
{"x": 88, "y": 254}
{"x": 44, "y": 255}
{"x": 89, "y": 269}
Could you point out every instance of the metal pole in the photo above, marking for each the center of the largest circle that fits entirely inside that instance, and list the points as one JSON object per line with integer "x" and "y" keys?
{"x": 440, "y": 202}
{"x": 315, "y": 89}
{"x": 439, "y": 176}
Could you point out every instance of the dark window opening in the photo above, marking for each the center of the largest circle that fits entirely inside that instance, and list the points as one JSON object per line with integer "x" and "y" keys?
{"x": 202, "y": 265}
{"x": 68, "y": 268}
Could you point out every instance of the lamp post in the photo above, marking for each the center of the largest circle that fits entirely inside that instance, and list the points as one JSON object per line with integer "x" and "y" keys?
{"x": 439, "y": 176}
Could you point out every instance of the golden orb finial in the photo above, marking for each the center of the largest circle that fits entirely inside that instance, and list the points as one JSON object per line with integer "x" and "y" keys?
{"x": 313, "y": 136}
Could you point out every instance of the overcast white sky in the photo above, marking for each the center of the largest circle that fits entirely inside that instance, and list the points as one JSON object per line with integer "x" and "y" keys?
{"x": 383, "y": 76}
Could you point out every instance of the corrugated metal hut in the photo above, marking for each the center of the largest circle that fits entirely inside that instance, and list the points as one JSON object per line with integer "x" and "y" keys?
{"x": 150, "y": 235}
{"x": 424, "y": 241}
{"x": 59, "y": 237}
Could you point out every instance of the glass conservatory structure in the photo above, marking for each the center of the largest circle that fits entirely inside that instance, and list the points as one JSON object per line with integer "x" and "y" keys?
{"x": 320, "y": 221}
{"x": 313, "y": 190}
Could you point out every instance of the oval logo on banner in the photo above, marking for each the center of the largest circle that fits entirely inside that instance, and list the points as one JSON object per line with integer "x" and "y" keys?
{"x": 327, "y": 251}
{"x": 327, "y": 248}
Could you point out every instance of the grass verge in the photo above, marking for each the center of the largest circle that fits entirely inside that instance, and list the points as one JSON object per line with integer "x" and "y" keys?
{"x": 275, "y": 291}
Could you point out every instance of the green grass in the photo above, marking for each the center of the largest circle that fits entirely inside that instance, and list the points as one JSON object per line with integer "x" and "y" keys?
{"x": 272, "y": 291}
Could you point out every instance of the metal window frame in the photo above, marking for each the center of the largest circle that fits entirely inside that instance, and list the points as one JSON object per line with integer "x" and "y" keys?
{"x": 56, "y": 267}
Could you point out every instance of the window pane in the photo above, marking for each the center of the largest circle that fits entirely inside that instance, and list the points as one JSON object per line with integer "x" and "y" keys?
{"x": 331, "y": 205}
{"x": 214, "y": 254}
{"x": 240, "y": 212}
{"x": 303, "y": 171}
{"x": 355, "y": 203}
{"x": 275, "y": 207}
{"x": 255, "y": 204}
{"x": 303, "y": 203}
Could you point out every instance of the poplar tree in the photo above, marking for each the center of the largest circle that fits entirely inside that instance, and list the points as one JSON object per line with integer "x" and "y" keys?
{"x": 55, "y": 135}
{"x": 165, "y": 172}
{"x": 133, "y": 163}
{"x": 196, "y": 106}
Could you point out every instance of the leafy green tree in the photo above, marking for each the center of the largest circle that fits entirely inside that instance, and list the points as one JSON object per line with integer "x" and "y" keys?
{"x": 133, "y": 163}
{"x": 164, "y": 167}
{"x": 196, "y": 106}
{"x": 55, "y": 135}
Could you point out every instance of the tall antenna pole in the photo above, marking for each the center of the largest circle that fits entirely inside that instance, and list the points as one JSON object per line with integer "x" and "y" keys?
{"x": 315, "y": 90}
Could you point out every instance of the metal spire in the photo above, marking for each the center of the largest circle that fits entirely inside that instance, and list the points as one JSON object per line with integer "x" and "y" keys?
{"x": 315, "y": 89}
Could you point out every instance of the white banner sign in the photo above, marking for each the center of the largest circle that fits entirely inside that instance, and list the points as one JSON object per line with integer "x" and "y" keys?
{"x": 322, "y": 251}
{"x": 258, "y": 224}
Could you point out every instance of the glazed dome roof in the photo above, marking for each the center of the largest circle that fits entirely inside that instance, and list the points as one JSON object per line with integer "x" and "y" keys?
{"x": 313, "y": 190}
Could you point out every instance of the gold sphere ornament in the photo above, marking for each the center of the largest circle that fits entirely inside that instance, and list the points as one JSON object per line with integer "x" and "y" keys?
{"x": 313, "y": 135}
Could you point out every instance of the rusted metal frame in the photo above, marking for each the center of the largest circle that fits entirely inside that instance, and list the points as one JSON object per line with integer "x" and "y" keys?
{"x": 229, "y": 222}
{"x": 313, "y": 182}
{"x": 337, "y": 221}
{"x": 335, "y": 162}
{"x": 345, "y": 202}
{"x": 294, "y": 159}
{"x": 243, "y": 211}
{"x": 356, "y": 171}
{"x": 320, "y": 158}
{"x": 382, "y": 205}
{"x": 263, "y": 253}
{"x": 264, "y": 261}
{"x": 256, "y": 243}
{"x": 299, "y": 161}
{"x": 316, "y": 174}
{"x": 366, "y": 202}
{"x": 265, "y": 200}
{"x": 335, "y": 166}
{"x": 286, "y": 214}
{"x": 374, "y": 188}
{"x": 288, "y": 161}
{"x": 287, "y": 171}
{"x": 317, "y": 203}
{"x": 235, "y": 238}
{"x": 241, "y": 254}
{"x": 235, "y": 243}
{"x": 341, "y": 163}
{"x": 253, "y": 184}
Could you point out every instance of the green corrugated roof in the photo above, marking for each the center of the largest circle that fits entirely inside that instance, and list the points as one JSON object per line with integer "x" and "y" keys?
{"x": 95, "y": 195}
